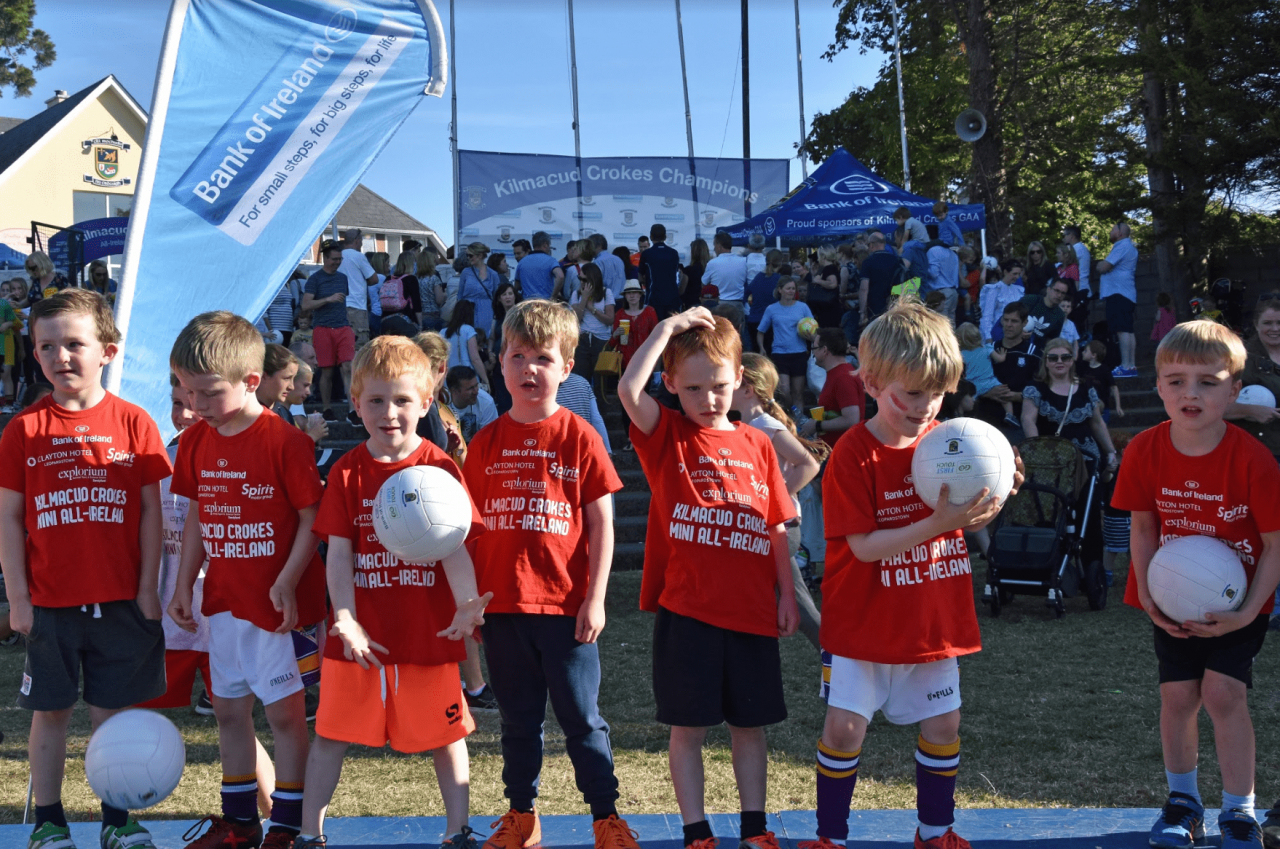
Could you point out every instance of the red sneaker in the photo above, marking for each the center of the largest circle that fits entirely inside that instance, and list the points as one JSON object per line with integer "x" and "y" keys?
{"x": 704, "y": 843}
{"x": 279, "y": 839}
{"x": 224, "y": 835}
{"x": 820, "y": 843}
{"x": 614, "y": 833}
{"x": 515, "y": 831}
{"x": 760, "y": 841}
{"x": 949, "y": 840}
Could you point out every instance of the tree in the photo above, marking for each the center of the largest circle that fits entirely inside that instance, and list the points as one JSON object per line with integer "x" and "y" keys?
{"x": 17, "y": 39}
{"x": 1055, "y": 151}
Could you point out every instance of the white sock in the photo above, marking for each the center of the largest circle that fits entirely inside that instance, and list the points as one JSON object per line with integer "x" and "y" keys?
{"x": 1186, "y": 783}
{"x": 1232, "y": 802}
{"x": 928, "y": 832}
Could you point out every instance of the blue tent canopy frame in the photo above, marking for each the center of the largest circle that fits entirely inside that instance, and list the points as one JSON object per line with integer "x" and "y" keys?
{"x": 841, "y": 198}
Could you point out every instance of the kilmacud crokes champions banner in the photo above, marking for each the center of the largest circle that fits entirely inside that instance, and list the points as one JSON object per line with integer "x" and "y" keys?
{"x": 509, "y": 196}
{"x": 265, "y": 115}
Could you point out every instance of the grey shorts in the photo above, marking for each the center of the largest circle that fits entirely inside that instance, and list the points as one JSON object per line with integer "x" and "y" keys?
{"x": 120, "y": 651}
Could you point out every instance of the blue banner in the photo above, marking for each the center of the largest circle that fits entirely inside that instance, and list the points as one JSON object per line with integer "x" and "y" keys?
{"x": 265, "y": 115}
{"x": 843, "y": 197}
{"x": 509, "y": 196}
{"x": 102, "y": 237}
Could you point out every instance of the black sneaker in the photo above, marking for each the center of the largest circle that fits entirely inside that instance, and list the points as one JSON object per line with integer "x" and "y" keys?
{"x": 311, "y": 698}
{"x": 328, "y": 415}
{"x": 1271, "y": 827}
{"x": 204, "y": 705}
{"x": 484, "y": 700}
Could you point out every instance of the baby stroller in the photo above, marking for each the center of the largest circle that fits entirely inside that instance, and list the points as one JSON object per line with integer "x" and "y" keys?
{"x": 1038, "y": 542}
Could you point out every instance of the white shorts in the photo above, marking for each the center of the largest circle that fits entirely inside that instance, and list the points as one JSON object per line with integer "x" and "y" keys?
{"x": 906, "y": 693}
{"x": 245, "y": 660}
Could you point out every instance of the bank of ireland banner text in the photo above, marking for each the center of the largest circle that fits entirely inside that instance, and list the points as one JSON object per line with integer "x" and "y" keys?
{"x": 265, "y": 115}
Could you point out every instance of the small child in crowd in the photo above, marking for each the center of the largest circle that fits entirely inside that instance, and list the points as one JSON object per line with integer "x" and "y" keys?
{"x": 979, "y": 371}
{"x": 895, "y": 644}
{"x": 716, "y": 569}
{"x": 546, "y": 559}
{"x": 279, "y": 368}
{"x": 1094, "y": 374}
{"x": 254, "y": 489}
{"x": 1171, "y": 472}
{"x": 391, "y": 673}
{"x": 97, "y": 616}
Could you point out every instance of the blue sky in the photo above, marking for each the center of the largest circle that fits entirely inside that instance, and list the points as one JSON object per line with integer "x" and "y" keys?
{"x": 513, "y": 81}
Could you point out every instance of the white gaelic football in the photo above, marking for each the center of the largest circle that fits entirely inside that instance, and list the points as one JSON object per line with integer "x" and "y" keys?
{"x": 422, "y": 514}
{"x": 1194, "y": 575}
{"x": 1257, "y": 395}
{"x": 135, "y": 759}
{"x": 967, "y": 455}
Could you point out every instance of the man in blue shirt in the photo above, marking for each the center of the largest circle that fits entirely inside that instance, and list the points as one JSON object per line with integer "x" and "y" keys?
{"x": 611, "y": 268}
{"x": 880, "y": 272}
{"x": 538, "y": 273}
{"x": 660, "y": 273}
{"x": 1119, "y": 289}
{"x": 948, "y": 230}
{"x": 943, "y": 276}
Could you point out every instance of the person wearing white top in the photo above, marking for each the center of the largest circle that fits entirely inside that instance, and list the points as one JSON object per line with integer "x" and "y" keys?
{"x": 727, "y": 272}
{"x": 360, "y": 276}
{"x": 594, "y": 306}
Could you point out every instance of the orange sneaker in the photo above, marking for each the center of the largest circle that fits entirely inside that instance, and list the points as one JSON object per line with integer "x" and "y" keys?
{"x": 820, "y": 843}
{"x": 224, "y": 835}
{"x": 614, "y": 833}
{"x": 760, "y": 841}
{"x": 515, "y": 831}
{"x": 704, "y": 843}
{"x": 949, "y": 840}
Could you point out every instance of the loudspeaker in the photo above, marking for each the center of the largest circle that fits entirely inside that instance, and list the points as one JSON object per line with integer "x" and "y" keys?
{"x": 970, "y": 125}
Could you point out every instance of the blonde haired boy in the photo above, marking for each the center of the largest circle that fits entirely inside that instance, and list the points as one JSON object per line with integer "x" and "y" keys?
{"x": 254, "y": 489}
{"x": 1197, "y": 474}
{"x": 894, "y": 648}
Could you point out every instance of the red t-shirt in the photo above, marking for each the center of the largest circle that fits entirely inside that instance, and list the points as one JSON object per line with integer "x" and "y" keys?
{"x": 641, "y": 326}
{"x": 914, "y": 607}
{"x": 716, "y": 494}
{"x": 81, "y": 474}
{"x": 532, "y": 483}
{"x": 400, "y": 605}
{"x": 843, "y": 389}
{"x": 1232, "y": 493}
{"x": 249, "y": 488}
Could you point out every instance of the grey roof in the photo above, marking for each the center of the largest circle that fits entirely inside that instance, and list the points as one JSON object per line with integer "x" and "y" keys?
{"x": 23, "y": 136}
{"x": 371, "y": 212}
{"x": 7, "y": 124}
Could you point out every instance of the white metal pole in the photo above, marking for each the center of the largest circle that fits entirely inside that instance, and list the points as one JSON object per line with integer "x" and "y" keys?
{"x": 902, "y": 106}
{"x": 688, "y": 124}
{"x": 453, "y": 129}
{"x": 804, "y": 165}
{"x": 577, "y": 139}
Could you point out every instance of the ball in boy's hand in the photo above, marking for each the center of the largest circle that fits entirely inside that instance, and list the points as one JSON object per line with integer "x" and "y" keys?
{"x": 807, "y": 327}
{"x": 422, "y": 514}
{"x": 1256, "y": 395}
{"x": 967, "y": 455}
{"x": 135, "y": 759}
{"x": 1194, "y": 575}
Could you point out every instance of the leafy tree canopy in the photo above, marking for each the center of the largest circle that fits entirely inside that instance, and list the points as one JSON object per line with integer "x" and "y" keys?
{"x": 23, "y": 50}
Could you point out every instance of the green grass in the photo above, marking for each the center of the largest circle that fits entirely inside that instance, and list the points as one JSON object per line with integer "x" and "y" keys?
{"x": 1056, "y": 713}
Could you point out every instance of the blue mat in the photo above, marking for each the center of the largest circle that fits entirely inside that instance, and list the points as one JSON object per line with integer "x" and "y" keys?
{"x": 1046, "y": 828}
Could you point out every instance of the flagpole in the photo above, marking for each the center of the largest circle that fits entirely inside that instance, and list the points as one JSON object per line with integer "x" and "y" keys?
{"x": 577, "y": 137}
{"x": 688, "y": 124}
{"x": 804, "y": 165}
{"x": 746, "y": 111}
{"x": 902, "y": 107}
{"x": 453, "y": 130}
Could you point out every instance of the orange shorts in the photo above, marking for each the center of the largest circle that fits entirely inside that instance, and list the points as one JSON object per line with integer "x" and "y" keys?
{"x": 413, "y": 707}
{"x": 180, "y": 667}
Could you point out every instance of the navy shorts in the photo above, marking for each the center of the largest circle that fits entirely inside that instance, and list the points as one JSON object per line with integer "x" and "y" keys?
{"x": 120, "y": 651}
{"x": 1187, "y": 658}
{"x": 791, "y": 365}
{"x": 1119, "y": 314}
{"x": 704, "y": 675}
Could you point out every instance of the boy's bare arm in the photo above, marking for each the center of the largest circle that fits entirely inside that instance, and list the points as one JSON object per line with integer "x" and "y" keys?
{"x": 193, "y": 555}
{"x": 888, "y": 542}
{"x": 13, "y": 557}
{"x": 1144, "y": 539}
{"x": 461, "y": 574}
{"x": 340, "y": 577}
{"x": 788, "y": 610}
{"x": 150, "y": 544}
{"x": 642, "y": 409}
{"x": 599, "y": 518}
{"x": 300, "y": 554}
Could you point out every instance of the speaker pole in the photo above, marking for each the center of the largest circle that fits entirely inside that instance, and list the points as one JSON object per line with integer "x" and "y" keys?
{"x": 902, "y": 107}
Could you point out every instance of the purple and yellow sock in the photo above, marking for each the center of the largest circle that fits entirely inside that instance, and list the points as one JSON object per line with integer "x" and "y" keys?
{"x": 936, "y": 767}
{"x": 286, "y": 806}
{"x": 837, "y": 776}
{"x": 240, "y": 797}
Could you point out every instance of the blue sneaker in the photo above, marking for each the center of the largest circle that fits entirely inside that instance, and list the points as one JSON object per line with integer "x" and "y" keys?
{"x": 1180, "y": 824}
{"x": 1239, "y": 830}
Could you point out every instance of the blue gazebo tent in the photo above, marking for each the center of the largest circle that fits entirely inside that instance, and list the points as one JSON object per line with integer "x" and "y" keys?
{"x": 9, "y": 258}
{"x": 841, "y": 198}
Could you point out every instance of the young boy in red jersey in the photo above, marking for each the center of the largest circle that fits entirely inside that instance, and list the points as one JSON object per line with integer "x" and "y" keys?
{"x": 254, "y": 491}
{"x": 80, "y": 474}
{"x": 543, "y": 482}
{"x": 391, "y": 675}
{"x": 715, "y": 563}
{"x": 1199, "y": 475}
{"x": 895, "y": 643}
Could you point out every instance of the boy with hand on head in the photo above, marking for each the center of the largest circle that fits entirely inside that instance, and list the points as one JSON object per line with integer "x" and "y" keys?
{"x": 1171, "y": 471}
{"x": 722, "y": 595}
{"x": 82, "y": 574}
{"x": 254, "y": 489}
{"x": 894, "y": 648}
{"x": 391, "y": 674}
{"x": 546, "y": 559}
